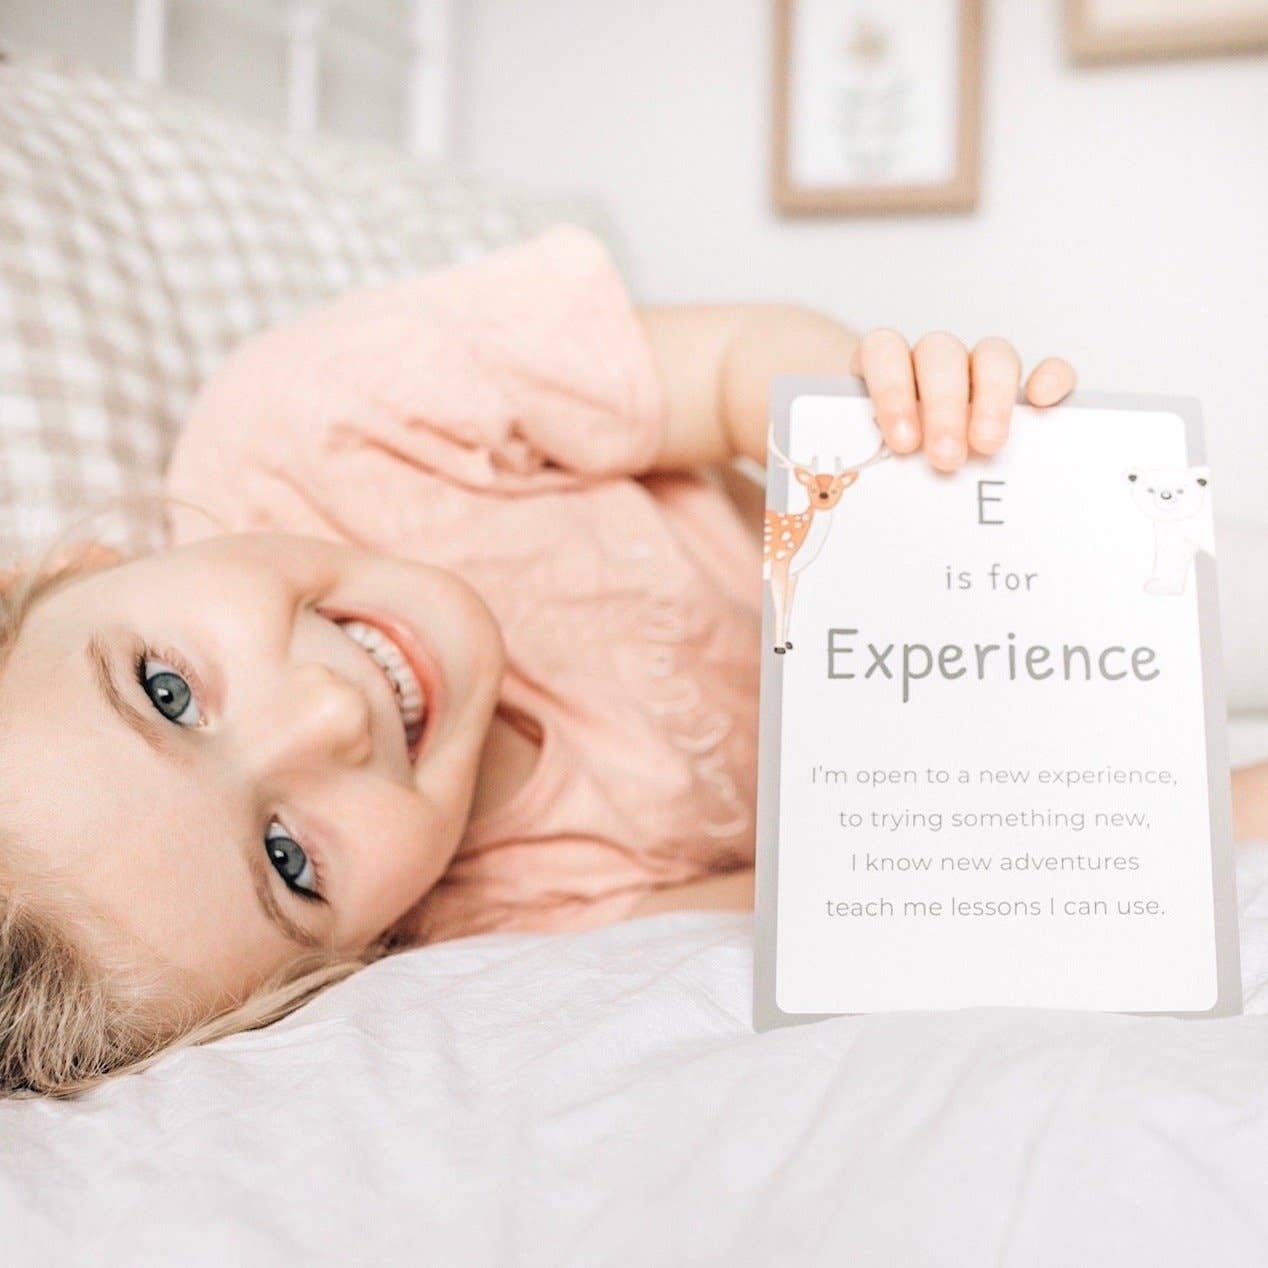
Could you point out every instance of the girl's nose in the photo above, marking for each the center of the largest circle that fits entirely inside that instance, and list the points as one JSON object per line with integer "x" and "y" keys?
{"x": 318, "y": 716}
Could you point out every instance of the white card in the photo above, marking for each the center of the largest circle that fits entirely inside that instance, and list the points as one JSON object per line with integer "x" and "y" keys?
{"x": 993, "y": 763}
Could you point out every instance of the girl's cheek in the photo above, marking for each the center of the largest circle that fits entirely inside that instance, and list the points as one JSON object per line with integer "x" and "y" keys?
{"x": 395, "y": 866}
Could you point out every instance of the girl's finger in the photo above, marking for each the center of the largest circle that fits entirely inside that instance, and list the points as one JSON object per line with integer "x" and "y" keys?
{"x": 1052, "y": 380}
{"x": 995, "y": 370}
{"x": 942, "y": 379}
{"x": 884, "y": 364}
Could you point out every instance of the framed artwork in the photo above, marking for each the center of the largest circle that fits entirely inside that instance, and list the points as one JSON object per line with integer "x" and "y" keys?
{"x": 1129, "y": 30}
{"x": 876, "y": 105}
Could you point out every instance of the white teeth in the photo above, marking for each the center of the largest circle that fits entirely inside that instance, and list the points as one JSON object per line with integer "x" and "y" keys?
{"x": 391, "y": 660}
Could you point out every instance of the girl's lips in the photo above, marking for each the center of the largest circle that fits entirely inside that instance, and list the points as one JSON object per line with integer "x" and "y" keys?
{"x": 420, "y": 660}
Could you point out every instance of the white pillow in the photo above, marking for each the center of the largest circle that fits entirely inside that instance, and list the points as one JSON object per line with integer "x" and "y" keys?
{"x": 142, "y": 236}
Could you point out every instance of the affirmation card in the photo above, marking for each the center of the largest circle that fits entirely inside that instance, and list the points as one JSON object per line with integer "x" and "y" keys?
{"x": 993, "y": 766}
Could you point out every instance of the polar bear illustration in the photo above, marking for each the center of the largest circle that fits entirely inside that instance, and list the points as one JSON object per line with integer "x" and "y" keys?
{"x": 1175, "y": 499}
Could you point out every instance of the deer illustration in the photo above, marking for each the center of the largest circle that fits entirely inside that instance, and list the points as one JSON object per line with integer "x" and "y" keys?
{"x": 792, "y": 539}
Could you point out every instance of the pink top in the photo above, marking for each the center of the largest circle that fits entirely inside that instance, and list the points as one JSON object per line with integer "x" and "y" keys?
{"x": 497, "y": 420}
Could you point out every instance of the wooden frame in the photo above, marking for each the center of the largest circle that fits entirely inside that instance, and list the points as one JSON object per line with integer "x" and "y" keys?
{"x": 422, "y": 40}
{"x": 957, "y": 194}
{"x": 1092, "y": 44}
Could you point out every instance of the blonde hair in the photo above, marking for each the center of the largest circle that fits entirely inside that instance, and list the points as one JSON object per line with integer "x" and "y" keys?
{"x": 69, "y": 1020}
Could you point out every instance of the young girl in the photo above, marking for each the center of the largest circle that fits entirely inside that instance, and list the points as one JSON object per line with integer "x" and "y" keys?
{"x": 460, "y": 638}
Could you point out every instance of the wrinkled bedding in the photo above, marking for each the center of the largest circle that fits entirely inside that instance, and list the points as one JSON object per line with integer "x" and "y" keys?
{"x": 601, "y": 1099}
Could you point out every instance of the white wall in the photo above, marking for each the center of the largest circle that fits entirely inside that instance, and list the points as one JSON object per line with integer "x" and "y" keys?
{"x": 1123, "y": 220}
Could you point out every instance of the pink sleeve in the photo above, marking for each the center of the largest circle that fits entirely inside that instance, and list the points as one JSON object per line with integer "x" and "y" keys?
{"x": 525, "y": 370}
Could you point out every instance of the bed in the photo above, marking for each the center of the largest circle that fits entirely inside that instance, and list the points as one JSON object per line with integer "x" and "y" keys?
{"x": 591, "y": 1099}
{"x": 602, "y": 1099}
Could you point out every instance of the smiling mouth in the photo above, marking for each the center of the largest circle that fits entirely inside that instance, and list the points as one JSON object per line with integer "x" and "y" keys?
{"x": 396, "y": 666}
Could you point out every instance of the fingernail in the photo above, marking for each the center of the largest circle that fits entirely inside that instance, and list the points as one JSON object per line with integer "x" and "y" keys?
{"x": 1043, "y": 384}
{"x": 903, "y": 435}
{"x": 990, "y": 434}
{"x": 948, "y": 452}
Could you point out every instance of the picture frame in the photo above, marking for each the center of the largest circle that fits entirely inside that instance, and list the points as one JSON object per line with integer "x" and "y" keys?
{"x": 1105, "y": 31}
{"x": 876, "y": 108}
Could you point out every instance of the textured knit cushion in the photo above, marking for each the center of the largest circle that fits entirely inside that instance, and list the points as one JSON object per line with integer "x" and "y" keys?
{"x": 141, "y": 237}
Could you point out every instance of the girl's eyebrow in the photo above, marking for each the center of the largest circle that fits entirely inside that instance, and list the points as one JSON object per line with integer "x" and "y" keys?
{"x": 158, "y": 737}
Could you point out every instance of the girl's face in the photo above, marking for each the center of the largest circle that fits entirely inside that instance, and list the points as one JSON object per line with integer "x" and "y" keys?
{"x": 197, "y": 745}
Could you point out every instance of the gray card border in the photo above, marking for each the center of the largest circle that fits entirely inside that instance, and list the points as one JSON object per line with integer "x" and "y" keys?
{"x": 766, "y": 1012}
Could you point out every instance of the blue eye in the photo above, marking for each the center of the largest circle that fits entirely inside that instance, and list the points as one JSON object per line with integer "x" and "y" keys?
{"x": 290, "y": 862}
{"x": 168, "y": 691}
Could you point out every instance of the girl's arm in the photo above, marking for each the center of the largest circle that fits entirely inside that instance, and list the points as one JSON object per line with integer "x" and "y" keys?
{"x": 716, "y": 364}
{"x": 1250, "y": 803}
{"x": 728, "y": 891}
{"x": 733, "y": 891}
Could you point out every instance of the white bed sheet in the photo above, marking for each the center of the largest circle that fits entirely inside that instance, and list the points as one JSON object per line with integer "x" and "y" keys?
{"x": 601, "y": 1099}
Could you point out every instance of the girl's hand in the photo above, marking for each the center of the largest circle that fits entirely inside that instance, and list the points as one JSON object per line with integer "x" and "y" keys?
{"x": 940, "y": 397}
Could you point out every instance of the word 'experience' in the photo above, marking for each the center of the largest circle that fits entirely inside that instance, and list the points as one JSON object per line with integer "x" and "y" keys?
{"x": 1008, "y": 661}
